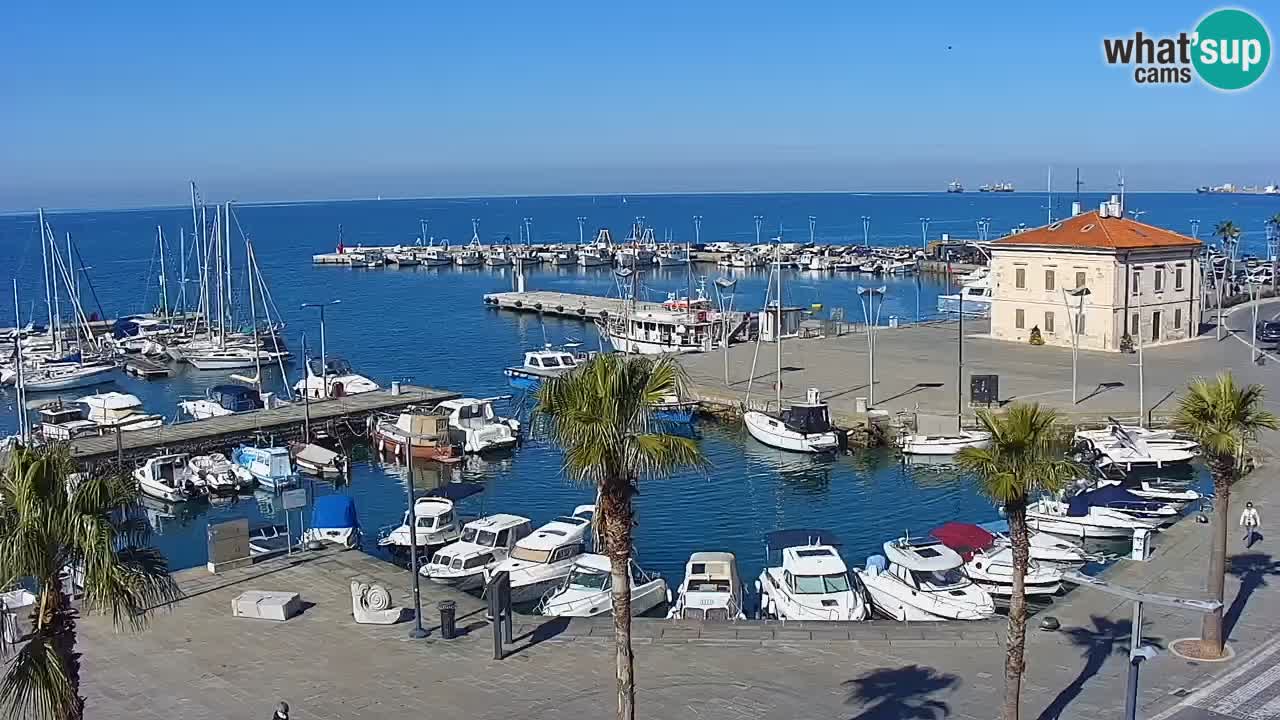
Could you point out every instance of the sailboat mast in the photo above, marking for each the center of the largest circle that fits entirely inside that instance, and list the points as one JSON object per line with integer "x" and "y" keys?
{"x": 48, "y": 287}
{"x": 57, "y": 307}
{"x": 164, "y": 276}
{"x": 21, "y": 404}
{"x": 73, "y": 292}
{"x": 182, "y": 271}
{"x": 226, "y": 239}
{"x": 777, "y": 329}
{"x": 253, "y": 315}
{"x": 218, "y": 230}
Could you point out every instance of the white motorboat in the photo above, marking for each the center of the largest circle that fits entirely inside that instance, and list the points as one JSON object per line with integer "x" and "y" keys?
{"x": 222, "y": 400}
{"x": 541, "y": 365}
{"x": 1112, "y": 496}
{"x": 919, "y": 580}
{"x": 711, "y": 589}
{"x": 660, "y": 332}
{"x": 332, "y": 379}
{"x": 498, "y": 258}
{"x": 974, "y": 298}
{"x": 482, "y": 429}
{"x": 437, "y": 519}
{"x": 1118, "y": 446}
{"x": 218, "y": 475}
{"x": 900, "y": 266}
{"x": 565, "y": 257}
{"x": 812, "y": 582}
{"x": 594, "y": 257}
{"x": 270, "y": 466}
{"x": 119, "y": 411}
{"x": 1164, "y": 491}
{"x": 484, "y": 542}
{"x": 541, "y": 560}
{"x": 435, "y": 257}
{"x": 333, "y": 522}
{"x": 587, "y": 591}
{"x": 318, "y": 460}
{"x": 1046, "y": 548}
{"x": 165, "y": 477}
{"x": 53, "y": 377}
{"x": 1077, "y": 518}
{"x": 1137, "y": 432}
{"x": 804, "y": 427}
{"x": 990, "y": 564}
{"x": 944, "y": 444}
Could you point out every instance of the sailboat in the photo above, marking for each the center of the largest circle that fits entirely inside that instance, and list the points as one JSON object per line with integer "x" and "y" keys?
{"x": 803, "y": 427}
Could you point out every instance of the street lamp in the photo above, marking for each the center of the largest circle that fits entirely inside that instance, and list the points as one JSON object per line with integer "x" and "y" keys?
{"x": 1142, "y": 398}
{"x": 924, "y": 232}
{"x": 417, "y": 632}
{"x": 1080, "y": 294}
{"x": 582, "y": 220}
{"x": 724, "y": 286}
{"x": 866, "y": 230}
{"x": 867, "y": 298}
{"x": 324, "y": 365}
{"x": 758, "y": 220}
{"x": 1254, "y": 289}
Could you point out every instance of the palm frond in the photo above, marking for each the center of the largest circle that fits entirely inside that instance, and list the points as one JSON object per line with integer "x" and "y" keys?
{"x": 1223, "y": 416}
{"x": 1026, "y": 455}
{"x": 37, "y": 684}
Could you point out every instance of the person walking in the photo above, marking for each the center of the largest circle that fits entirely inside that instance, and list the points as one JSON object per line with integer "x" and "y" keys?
{"x": 282, "y": 711}
{"x": 1250, "y": 521}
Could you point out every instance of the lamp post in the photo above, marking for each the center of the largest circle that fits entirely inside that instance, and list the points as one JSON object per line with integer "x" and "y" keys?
{"x": 417, "y": 632}
{"x": 724, "y": 286}
{"x": 866, "y": 230}
{"x": 324, "y": 364}
{"x": 924, "y": 232}
{"x": 867, "y": 298}
{"x": 758, "y": 220}
{"x": 1142, "y": 399}
{"x": 1080, "y": 294}
{"x": 582, "y": 221}
{"x": 1254, "y": 289}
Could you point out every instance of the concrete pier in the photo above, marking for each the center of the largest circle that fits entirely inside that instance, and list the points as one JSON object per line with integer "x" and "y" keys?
{"x": 573, "y": 305}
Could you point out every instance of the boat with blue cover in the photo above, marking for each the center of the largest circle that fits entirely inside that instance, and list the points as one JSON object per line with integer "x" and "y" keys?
{"x": 334, "y": 521}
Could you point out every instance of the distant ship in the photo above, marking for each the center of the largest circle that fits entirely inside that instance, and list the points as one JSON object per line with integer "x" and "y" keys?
{"x": 1230, "y": 189}
{"x": 955, "y": 187}
{"x": 998, "y": 187}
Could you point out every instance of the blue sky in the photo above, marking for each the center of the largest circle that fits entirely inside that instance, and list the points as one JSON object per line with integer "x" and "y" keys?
{"x": 118, "y": 104}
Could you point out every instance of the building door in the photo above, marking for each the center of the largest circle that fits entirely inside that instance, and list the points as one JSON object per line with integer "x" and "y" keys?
{"x": 1155, "y": 326}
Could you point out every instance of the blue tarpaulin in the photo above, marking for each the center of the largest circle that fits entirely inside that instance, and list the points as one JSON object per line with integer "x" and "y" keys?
{"x": 1107, "y": 496}
{"x": 334, "y": 511}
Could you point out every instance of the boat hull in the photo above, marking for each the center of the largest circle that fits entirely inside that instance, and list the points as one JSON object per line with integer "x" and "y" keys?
{"x": 765, "y": 430}
{"x": 439, "y": 453}
{"x": 87, "y": 378}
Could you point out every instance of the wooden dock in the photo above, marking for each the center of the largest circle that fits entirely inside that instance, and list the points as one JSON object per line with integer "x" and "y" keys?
{"x": 342, "y": 416}
{"x": 146, "y": 368}
{"x": 569, "y": 305}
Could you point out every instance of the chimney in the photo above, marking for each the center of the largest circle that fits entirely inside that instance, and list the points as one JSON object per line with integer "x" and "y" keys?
{"x": 1075, "y": 208}
{"x": 1104, "y": 209}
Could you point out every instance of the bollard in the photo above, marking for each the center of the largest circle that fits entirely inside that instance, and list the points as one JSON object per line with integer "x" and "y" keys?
{"x": 448, "y": 619}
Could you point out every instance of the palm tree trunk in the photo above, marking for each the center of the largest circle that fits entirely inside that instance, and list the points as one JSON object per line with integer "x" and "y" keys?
{"x": 1015, "y": 654}
{"x": 55, "y": 619}
{"x": 615, "y": 502}
{"x": 1211, "y": 640}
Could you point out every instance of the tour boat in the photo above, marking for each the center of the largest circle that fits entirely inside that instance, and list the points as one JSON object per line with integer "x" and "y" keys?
{"x": 1078, "y": 518}
{"x": 711, "y": 589}
{"x": 437, "y": 520}
{"x": 990, "y": 564}
{"x": 165, "y": 477}
{"x": 333, "y": 522}
{"x": 541, "y": 560}
{"x": 588, "y": 590}
{"x": 923, "y": 580}
{"x": 270, "y": 466}
{"x": 481, "y": 428}
{"x": 426, "y": 433}
{"x": 812, "y": 581}
{"x": 119, "y": 411}
{"x": 217, "y": 474}
{"x": 974, "y": 297}
{"x": 331, "y": 379}
{"x": 222, "y": 400}
{"x": 659, "y": 332}
{"x": 803, "y": 427}
{"x": 944, "y": 444}
{"x": 484, "y": 542}
{"x": 541, "y": 365}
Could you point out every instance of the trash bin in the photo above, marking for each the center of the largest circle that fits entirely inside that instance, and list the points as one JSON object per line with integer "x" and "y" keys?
{"x": 448, "y": 617}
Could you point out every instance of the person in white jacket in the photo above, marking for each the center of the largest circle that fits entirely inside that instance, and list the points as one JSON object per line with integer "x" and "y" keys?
{"x": 1250, "y": 521}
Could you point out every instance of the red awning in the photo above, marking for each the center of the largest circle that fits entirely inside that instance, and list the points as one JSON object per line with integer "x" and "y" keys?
{"x": 964, "y": 538}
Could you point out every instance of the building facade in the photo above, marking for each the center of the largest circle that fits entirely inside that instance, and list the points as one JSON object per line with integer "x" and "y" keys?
{"x": 1101, "y": 274}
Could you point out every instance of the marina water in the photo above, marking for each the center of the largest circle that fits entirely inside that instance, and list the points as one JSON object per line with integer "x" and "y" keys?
{"x": 429, "y": 326}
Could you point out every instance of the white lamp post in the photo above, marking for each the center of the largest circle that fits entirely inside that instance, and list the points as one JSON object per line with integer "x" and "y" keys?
{"x": 1079, "y": 293}
{"x": 867, "y": 297}
{"x": 324, "y": 364}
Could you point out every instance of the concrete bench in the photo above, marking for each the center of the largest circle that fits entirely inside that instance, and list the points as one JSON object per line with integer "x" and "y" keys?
{"x": 264, "y": 605}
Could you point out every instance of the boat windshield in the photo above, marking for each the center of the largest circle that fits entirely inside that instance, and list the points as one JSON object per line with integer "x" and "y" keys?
{"x": 469, "y": 534}
{"x": 528, "y": 555}
{"x": 940, "y": 579}
{"x": 588, "y": 579}
{"x": 821, "y": 584}
{"x": 709, "y": 586}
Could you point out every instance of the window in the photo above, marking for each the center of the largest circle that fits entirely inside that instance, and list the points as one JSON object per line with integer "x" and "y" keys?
{"x": 504, "y": 537}
{"x": 1133, "y": 325}
{"x": 1048, "y": 280}
{"x": 479, "y": 561}
{"x": 1136, "y": 274}
{"x": 1177, "y": 278}
{"x": 1155, "y": 326}
{"x": 1159, "y": 279}
{"x": 1177, "y": 317}
{"x": 1048, "y": 322}
{"x": 1079, "y": 278}
{"x": 820, "y": 584}
{"x": 1019, "y": 319}
{"x": 1020, "y": 278}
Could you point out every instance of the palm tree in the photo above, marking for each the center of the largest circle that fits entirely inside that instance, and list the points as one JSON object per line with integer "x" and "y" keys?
{"x": 1224, "y": 418}
{"x": 52, "y": 521}
{"x": 1026, "y": 456}
{"x": 1227, "y": 231}
{"x": 601, "y": 414}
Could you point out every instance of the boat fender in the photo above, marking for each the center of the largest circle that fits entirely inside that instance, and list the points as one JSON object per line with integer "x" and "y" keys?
{"x": 604, "y": 314}
{"x": 582, "y": 311}
{"x": 519, "y": 304}
{"x": 559, "y": 308}
{"x": 537, "y": 306}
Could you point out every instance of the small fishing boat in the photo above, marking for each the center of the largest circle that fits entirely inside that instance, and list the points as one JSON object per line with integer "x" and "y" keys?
{"x": 165, "y": 477}
{"x": 427, "y": 433}
{"x": 674, "y": 410}
{"x": 594, "y": 257}
{"x": 484, "y": 542}
{"x": 711, "y": 589}
{"x": 588, "y": 590}
{"x": 270, "y": 466}
{"x": 218, "y": 475}
{"x": 498, "y": 257}
{"x": 437, "y": 521}
{"x": 541, "y": 560}
{"x": 401, "y": 257}
{"x": 811, "y": 581}
{"x": 923, "y": 580}
{"x": 317, "y": 460}
{"x": 565, "y": 257}
{"x": 333, "y": 522}
{"x": 803, "y": 427}
{"x": 943, "y": 444}
{"x": 435, "y": 257}
{"x": 481, "y": 428}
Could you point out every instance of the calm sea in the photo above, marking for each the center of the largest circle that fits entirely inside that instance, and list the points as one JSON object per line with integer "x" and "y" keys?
{"x": 430, "y": 326}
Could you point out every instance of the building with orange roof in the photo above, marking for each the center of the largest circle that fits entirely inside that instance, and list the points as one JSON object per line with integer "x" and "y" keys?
{"x": 1107, "y": 275}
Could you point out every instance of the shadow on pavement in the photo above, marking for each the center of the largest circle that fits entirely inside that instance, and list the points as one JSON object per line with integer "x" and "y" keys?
{"x": 1253, "y": 569}
{"x": 541, "y": 633}
{"x": 1107, "y": 637}
{"x": 901, "y": 693}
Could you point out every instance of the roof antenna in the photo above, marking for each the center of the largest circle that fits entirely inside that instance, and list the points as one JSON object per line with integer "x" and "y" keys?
{"x": 1120, "y": 174}
{"x": 1049, "y": 186}
{"x": 1078, "y": 183}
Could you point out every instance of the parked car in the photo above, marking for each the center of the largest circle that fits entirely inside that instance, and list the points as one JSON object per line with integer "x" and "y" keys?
{"x": 1269, "y": 331}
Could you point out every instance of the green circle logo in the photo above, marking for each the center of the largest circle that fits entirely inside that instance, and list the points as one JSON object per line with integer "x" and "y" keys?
{"x": 1232, "y": 49}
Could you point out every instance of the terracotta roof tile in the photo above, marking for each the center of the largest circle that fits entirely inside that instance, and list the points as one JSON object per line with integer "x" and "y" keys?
{"x": 1088, "y": 230}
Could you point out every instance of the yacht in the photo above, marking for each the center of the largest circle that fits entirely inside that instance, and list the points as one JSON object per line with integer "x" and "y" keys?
{"x": 923, "y": 580}
{"x": 944, "y": 444}
{"x": 990, "y": 563}
{"x": 481, "y": 428}
{"x": 812, "y": 581}
{"x": 804, "y": 427}
{"x": 165, "y": 477}
{"x": 270, "y": 466}
{"x": 541, "y": 560}
{"x": 1046, "y": 549}
{"x": 1078, "y": 518}
{"x": 711, "y": 589}
{"x": 540, "y": 365}
{"x": 218, "y": 475}
{"x": 232, "y": 358}
{"x": 437, "y": 519}
{"x": 588, "y": 590}
{"x": 332, "y": 378}
{"x": 974, "y": 298}
{"x": 660, "y": 332}
{"x": 426, "y": 432}
{"x": 484, "y": 542}
{"x": 119, "y": 411}
{"x": 222, "y": 400}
